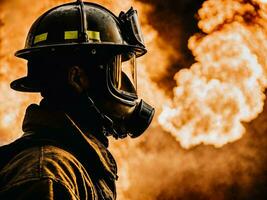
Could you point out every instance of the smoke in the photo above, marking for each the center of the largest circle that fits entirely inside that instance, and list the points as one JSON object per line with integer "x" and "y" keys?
{"x": 175, "y": 22}
{"x": 157, "y": 166}
{"x": 225, "y": 86}
{"x": 154, "y": 166}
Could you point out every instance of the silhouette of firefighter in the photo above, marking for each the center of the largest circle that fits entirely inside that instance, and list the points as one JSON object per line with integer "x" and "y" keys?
{"x": 81, "y": 58}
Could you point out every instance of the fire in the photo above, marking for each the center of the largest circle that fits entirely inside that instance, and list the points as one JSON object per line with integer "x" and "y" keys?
{"x": 225, "y": 87}
{"x": 212, "y": 99}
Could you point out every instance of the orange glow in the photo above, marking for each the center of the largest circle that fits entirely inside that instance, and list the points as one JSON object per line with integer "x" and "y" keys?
{"x": 211, "y": 101}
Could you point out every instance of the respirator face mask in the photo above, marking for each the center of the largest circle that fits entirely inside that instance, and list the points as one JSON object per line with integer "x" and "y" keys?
{"x": 125, "y": 113}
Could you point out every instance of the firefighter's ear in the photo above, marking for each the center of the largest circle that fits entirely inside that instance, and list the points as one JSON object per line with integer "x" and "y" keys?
{"x": 77, "y": 79}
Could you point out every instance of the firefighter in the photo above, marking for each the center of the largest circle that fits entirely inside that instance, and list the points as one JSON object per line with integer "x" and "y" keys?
{"x": 81, "y": 58}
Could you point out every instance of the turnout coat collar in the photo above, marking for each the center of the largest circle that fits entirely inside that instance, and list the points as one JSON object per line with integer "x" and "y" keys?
{"x": 48, "y": 127}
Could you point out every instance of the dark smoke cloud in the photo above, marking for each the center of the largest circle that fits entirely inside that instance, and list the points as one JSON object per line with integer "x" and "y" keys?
{"x": 176, "y": 22}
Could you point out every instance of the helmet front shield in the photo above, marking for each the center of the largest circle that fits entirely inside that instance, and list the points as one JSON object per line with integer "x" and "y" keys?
{"x": 132, "y": 27}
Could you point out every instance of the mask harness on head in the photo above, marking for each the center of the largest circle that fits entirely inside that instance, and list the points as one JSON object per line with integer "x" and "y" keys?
{"x": 107, "y": 125}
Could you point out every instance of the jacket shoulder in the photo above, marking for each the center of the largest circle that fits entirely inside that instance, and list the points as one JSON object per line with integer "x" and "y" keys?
{"x": 43, "y": 189}
{"x": 47, "y": 162}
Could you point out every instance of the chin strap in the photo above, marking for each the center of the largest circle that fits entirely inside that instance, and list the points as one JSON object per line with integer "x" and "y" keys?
{"x": 108, "y": 127}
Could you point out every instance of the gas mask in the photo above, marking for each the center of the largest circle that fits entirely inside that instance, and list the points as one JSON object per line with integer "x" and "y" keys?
{"x": 123, "y": 112}
{"x": 121, "y": 109}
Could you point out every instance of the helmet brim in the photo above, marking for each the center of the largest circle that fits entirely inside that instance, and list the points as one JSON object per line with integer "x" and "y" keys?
{"x": 28, "y": 84}
{"x": 91, "y": 49}
{"x": 25, "y": 84}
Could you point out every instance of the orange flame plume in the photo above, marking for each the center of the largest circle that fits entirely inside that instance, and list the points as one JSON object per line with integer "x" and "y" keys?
{"x": 225, "y": 87}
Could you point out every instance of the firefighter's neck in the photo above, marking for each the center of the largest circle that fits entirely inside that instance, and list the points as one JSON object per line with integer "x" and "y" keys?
{"x": 81, "y": 113}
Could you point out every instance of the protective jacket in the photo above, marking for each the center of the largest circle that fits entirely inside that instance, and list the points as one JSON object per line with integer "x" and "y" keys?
{"x": 54, "y": 159}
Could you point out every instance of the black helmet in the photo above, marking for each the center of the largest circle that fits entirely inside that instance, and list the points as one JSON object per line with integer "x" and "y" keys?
{"x": 81, "y": 28}
{"x": 91, "y": 33}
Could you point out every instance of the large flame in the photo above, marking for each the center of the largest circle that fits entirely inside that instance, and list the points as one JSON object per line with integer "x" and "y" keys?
{"x": 226, "y": 85}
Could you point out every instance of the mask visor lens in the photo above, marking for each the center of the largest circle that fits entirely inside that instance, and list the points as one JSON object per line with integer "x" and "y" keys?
{"x": 124, "y": 73}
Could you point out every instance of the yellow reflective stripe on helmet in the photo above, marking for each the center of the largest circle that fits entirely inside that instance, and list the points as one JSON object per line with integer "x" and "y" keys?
{"x": 40, "y": 38}
{"x": 93, "y": 35}
{"x": 69, "y": 35}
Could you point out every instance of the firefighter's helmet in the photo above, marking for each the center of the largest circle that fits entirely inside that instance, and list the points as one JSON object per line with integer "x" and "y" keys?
{"x": 81, "y": 28}
{"x": 92, "y": 33}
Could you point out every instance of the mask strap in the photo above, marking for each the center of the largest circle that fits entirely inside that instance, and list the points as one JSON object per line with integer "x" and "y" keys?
{"x": 108, "y": 128}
